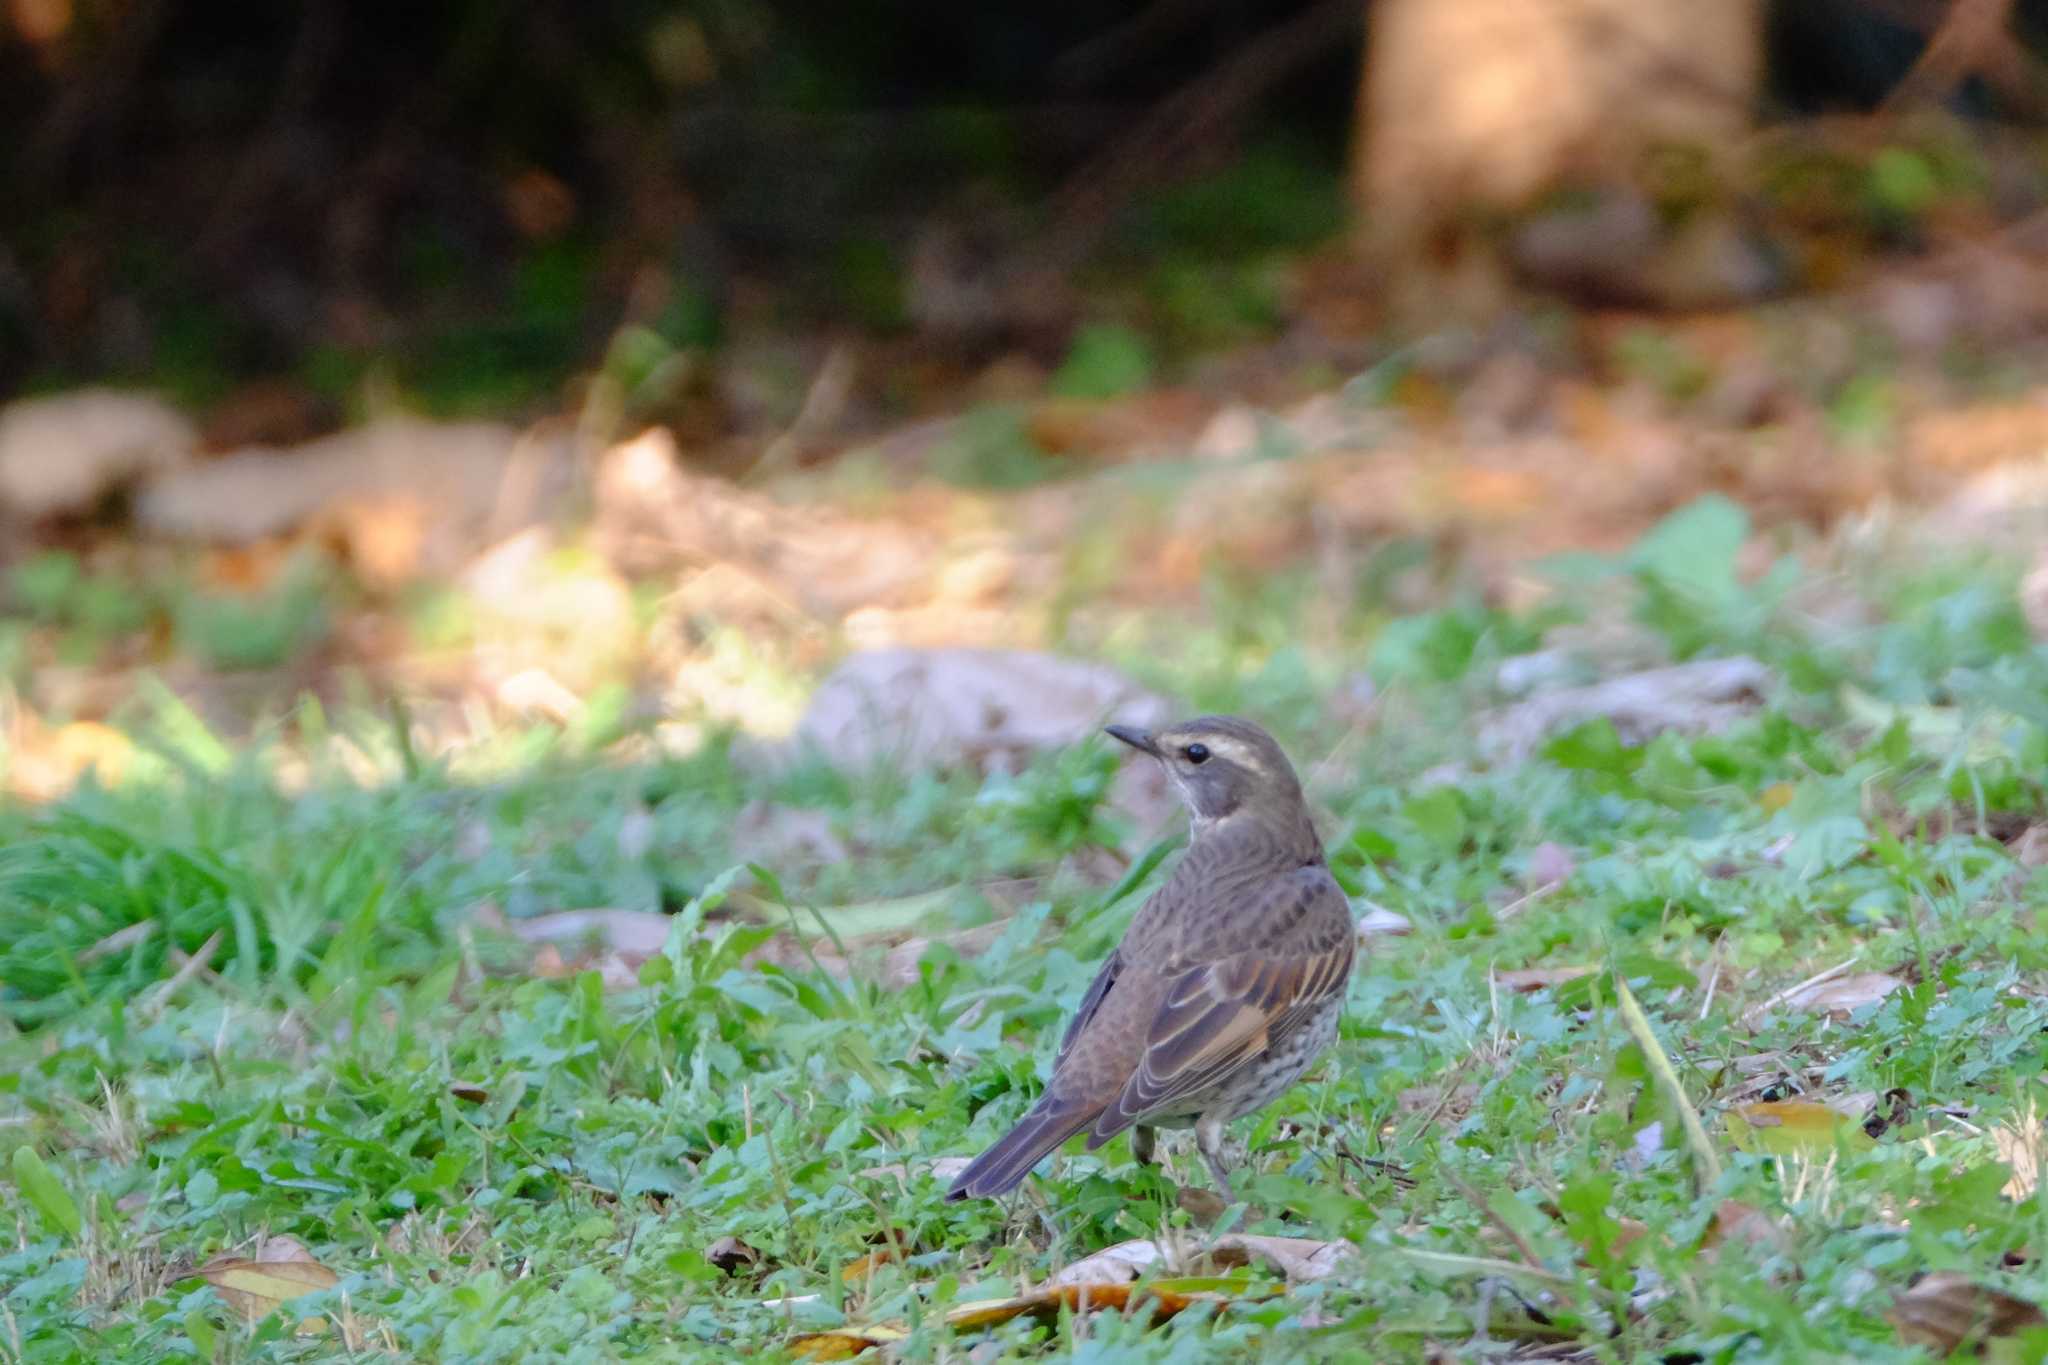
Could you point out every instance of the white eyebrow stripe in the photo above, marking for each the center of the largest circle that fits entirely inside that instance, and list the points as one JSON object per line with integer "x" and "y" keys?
{"x": 1226, "y": 746}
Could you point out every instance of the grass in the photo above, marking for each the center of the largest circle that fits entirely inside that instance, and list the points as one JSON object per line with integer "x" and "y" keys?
{"x": 506, "y": 1167}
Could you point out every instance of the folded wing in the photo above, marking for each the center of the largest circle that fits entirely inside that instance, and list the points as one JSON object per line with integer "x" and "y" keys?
{"x": 1217, "y": 1016}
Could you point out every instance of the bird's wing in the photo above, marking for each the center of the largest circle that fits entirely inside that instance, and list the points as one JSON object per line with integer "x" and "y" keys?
{"x": 1215, "y": 1016}
{"x": 1098, "y": 988}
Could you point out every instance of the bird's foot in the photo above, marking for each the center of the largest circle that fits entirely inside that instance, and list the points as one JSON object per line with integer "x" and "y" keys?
{"x": 1209, "y": 1141}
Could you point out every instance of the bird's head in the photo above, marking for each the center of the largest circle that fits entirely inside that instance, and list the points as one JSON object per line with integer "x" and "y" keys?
{"x": 1224, "y": 767}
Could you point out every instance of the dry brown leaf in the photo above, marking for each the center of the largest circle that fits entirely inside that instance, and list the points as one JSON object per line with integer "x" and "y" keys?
{"x": 2030, "y": 848}
{"x": 1161, "y": 1299}
{"x": 1947, "y": 1310}
{"x": 1540, "y": 978}
{"x": 858, "y": 1272}
{"x": 1300, "y": 1259}
{"x": 1105, "y": 1280}
{"x": 1844, "y": 995}
{"x": 281, "y": 1270}
{"x": 1735, "y": 1221}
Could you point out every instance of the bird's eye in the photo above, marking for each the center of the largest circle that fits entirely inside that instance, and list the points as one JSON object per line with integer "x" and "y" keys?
{"x": 1196, "y": 753}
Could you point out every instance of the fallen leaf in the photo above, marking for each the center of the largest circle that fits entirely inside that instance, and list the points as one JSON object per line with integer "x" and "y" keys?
{"x": 614, "y": 942}
{"x": 1947, "y": 1310}
{"x": 1735, "y": 1221}
{"x": 627, "y": 931}
{"x": 1164, "y": 1298}
{"x": 1549, "y": 864}
{"x": 855, "y": 1272}
{"x": 844, "y": 1343}
{"x": 1161, "y": 1299}
{"x": 255, "y": 1287}
{"x": 1119, "y": 1264}
{"x": 1380, "y": 922}
{"x": 2030, "y": 848}
{"x": 1793, "y": 1127}
{"x": 1844, "y": 995}
{"x": 1540, "y": 978}
{"x": 732, "y": 1255}
{"x": 1204, "y": 1206}
{"x": 1301, "y": 1259}
{"x": 2020, "y": 1147}
{"x": 1110, "y": 1279}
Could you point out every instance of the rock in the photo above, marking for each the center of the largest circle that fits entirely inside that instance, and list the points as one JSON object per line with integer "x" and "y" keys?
{"x": 783, "y": 836}
{"x": 1702, "y": 696}
{"x": 63, "y": 454}
{"x": 981, "y": 708}
{"x": 452, "y": 472}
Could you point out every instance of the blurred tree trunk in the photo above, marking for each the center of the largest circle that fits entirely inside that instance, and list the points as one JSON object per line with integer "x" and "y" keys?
{"x": 1475, "y": 108}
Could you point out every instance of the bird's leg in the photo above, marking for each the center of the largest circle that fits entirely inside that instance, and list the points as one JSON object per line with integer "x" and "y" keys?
{"x": 1144, "y": 1143}
{"x": 1209, "y": 1140}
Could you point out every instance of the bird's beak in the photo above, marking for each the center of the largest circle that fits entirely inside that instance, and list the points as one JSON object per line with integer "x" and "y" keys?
{"x": 1136, "y": 738}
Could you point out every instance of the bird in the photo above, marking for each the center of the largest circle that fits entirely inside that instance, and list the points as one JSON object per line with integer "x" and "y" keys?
{"x": 1228, "y": 983}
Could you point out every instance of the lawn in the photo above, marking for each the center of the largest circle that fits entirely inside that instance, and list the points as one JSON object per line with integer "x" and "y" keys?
{"x": 258, "y": 1000}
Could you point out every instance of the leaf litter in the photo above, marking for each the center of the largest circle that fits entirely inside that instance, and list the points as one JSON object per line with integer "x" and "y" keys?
{"x": 1114, "y": 1279}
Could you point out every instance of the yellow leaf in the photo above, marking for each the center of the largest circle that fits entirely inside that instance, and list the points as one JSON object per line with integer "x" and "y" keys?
{"x": 844, "y": 1343}
{"x": 1792, "y": 1127}
{"x": 255, "y": 1289}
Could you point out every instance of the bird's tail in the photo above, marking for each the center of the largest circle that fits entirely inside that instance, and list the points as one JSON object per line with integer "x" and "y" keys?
{"x": 1004, "y": 1165}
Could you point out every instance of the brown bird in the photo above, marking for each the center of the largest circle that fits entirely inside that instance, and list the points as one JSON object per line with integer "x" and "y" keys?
{"x": 1227, "y": 984}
